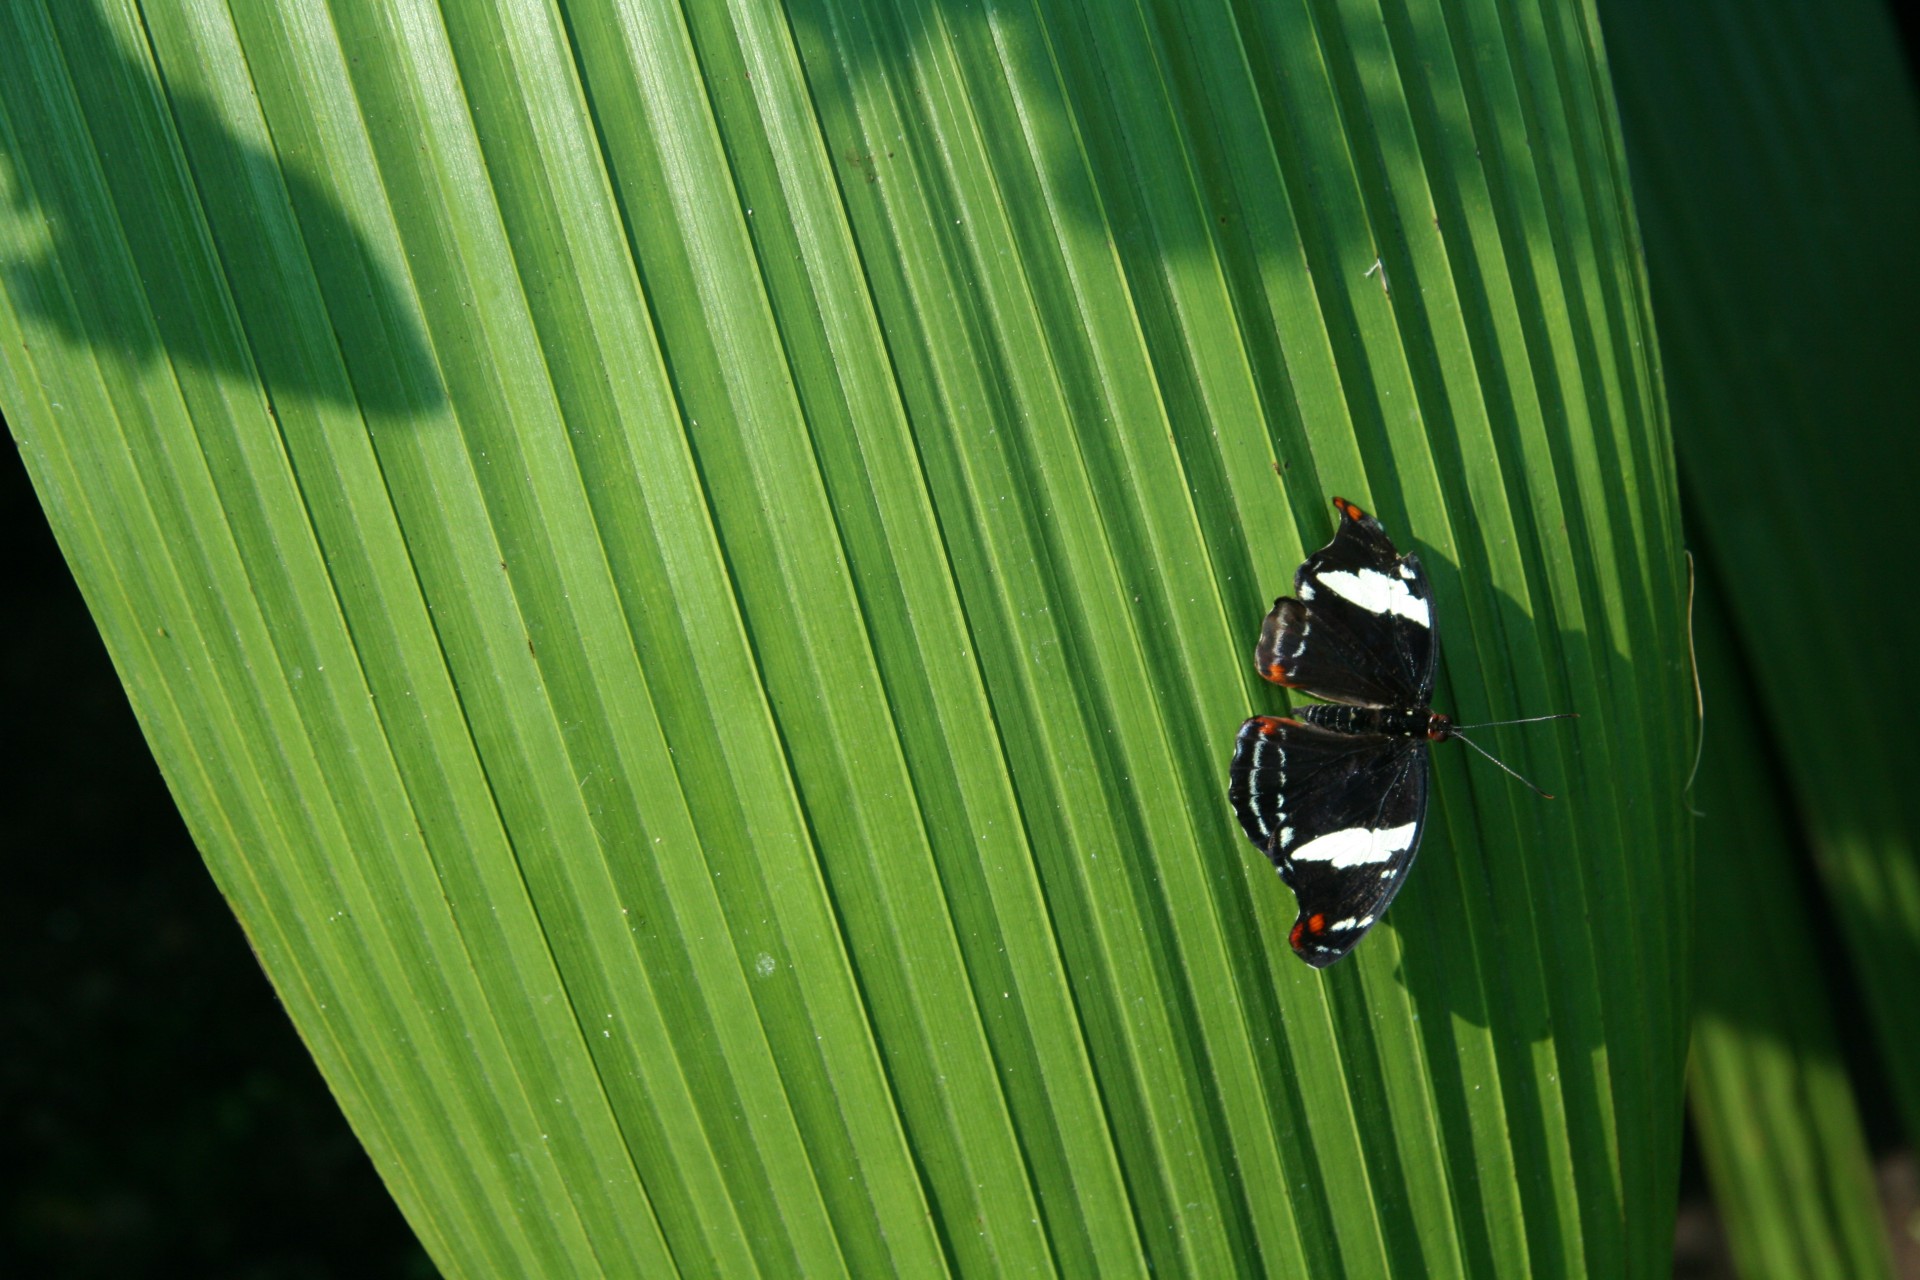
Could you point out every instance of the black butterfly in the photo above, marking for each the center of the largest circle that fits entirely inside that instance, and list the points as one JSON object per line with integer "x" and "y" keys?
{"x": 1336, "y": 796}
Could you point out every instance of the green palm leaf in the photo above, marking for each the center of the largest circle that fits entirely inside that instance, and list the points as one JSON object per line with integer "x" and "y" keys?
{"x": 1804, "y": 467}
{"x": 692, "y": 573}
{"x": 1769, "y": 1092}
{"x": 1766, "y": 150}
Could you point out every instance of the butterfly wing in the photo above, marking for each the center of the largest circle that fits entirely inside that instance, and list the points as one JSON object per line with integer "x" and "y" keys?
{"x": 1339, "y": 814}
{"x": 1359, "y": 627}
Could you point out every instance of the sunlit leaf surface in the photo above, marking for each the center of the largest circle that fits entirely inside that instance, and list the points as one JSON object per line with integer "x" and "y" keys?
{"x": 692, "y": 570}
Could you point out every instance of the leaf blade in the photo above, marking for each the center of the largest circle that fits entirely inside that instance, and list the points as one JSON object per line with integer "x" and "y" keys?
{"x": 726, "y": 561}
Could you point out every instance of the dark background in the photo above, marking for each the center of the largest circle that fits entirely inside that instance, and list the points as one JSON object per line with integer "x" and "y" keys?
{"x": 158, "y": 1115}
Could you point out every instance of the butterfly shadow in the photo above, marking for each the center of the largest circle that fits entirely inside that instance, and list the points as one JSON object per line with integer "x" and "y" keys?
{"x": 1500, "y": 943}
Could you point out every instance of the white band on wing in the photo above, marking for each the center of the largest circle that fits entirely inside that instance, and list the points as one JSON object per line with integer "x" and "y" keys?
{"x": 1356, "y": 846}
{"x": 1377, "y": 593}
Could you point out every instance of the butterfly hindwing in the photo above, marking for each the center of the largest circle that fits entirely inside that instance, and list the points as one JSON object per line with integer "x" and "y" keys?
{"x": 1359, "y": 627}
{"x": 1340, "y": 815}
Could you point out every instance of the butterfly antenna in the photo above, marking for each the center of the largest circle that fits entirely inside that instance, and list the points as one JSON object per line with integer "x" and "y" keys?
{"x": 1497, "y": 760}
{"x": 1494, "y": 724}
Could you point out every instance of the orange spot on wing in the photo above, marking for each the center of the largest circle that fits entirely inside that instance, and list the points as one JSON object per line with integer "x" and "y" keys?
{"x": 1278, "y": 674}
{"x": 1348, "y": 510}
{"x": 1316, "y": 923}
{"x": 1293, "y": 938}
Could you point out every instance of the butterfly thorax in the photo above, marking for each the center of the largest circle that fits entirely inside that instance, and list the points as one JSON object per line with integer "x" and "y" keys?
{"x": 1398, "y": 722}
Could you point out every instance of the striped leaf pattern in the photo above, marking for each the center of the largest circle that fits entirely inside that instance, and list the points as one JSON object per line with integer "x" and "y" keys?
{"x": 692, "y": 569}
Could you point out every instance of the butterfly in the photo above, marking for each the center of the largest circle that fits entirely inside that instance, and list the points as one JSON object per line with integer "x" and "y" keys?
{"x": 1336, "y": 794}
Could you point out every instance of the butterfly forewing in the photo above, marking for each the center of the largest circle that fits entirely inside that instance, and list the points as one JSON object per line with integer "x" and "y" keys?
{"x": 1340, "y": 814}
{"x": 1359, "y": 627}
